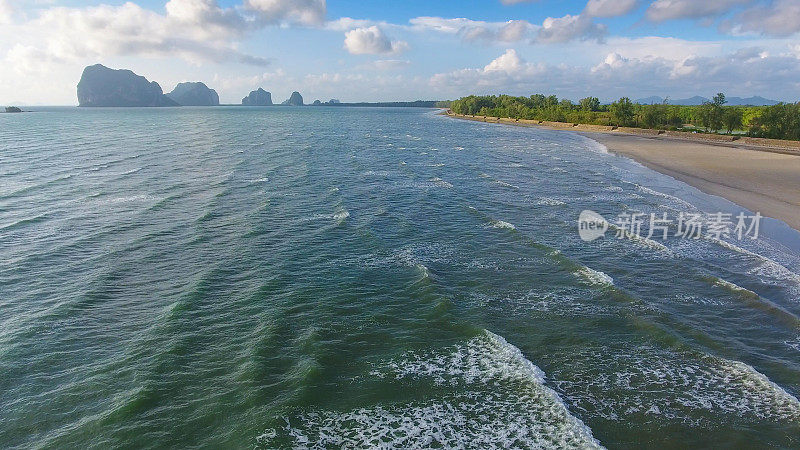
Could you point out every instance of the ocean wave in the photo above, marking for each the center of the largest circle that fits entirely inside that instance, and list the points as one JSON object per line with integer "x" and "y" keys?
{"x": 647, "y": 190}
{"x": 767, "y": 268}
{"x": 503, "y": 225}
{"x": 639, "y": 239}
{"x": 594, "y": 277}
{"x": 25, "y": 221}
{"x": 441, "y": 183}
{"x": 655, "y": 385}
{"x": 547, "y": 201}
{"x": 134, "y": 198}
{"x": 504, "y": 184}
{"x": 340, "y": 216}
{"x": 755, "y": 300}
{"x": 503, "y": 403}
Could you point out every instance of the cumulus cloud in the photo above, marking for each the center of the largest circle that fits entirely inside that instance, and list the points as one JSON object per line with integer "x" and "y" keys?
{"x": 507, "y": 70}
{"x": 371, "y": 41}
{"x": 750, "y": 70}
{"x": 569, "y": 27}
{"x": 195, "y": 30}
{"x": 662, "y": 10}
{"x": 610, "y": 8}
{"x": 780, "y": 18}
{"x": 509, "y": 62}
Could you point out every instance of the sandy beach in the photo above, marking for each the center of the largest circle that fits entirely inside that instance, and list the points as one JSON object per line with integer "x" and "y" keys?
{"x": 761, "y": 179}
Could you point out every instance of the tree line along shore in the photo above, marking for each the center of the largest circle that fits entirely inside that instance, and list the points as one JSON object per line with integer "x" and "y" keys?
{"x": 780, "y": 122}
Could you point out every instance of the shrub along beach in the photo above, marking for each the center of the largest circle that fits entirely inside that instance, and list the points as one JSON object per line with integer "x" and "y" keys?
{"x": 781, "y": 121}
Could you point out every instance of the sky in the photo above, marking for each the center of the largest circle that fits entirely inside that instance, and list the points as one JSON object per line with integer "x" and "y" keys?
{"x": 362, "y": 50}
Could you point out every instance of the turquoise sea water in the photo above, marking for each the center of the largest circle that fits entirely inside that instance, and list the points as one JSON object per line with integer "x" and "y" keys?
{"x": 331, "y": 277}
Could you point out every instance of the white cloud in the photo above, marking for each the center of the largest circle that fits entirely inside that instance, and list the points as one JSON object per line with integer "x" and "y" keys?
{"x": 475, "y": 30}
{"x": 508, "y": 70}
{"x": 443, "y": 25}
{"x": 610, "y": 8}
{"x": 509, "y": 62}
{"x": 305, "y": 12}
{"x": 552, "y": 30}
{"x": 569, "y": 27}
{"x": 661, "y": 10}
{"x": 746, "y": 72}
{"x": 193, "y": 30}
{"x": 348, "y": 23}
{"x": 780, "y": 18}
{"x": 371, "y": 41}
{"x": 5, "y": 12}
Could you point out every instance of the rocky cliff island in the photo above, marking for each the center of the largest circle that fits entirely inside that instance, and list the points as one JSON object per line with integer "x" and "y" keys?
{"x": 194, "y": 94}
{"x": 295, "y": 100}
{"x": 259, "y": 97}
{"x": 101, "y": 86}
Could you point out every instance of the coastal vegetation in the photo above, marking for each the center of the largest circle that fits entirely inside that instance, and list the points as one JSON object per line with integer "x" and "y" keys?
{"x": 781, "y": 121}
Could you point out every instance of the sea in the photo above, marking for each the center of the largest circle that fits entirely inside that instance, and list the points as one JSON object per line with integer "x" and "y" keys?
{"x": 329, "y": 277}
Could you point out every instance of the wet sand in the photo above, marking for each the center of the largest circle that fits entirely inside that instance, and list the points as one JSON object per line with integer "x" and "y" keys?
{"x": 761, "y": 181}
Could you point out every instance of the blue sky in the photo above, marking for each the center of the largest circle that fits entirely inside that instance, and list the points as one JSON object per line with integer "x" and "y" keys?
{"x": 406, "y": 50}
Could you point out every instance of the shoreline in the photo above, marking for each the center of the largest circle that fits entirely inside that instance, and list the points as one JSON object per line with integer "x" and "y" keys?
{"x": 760, "y": 178}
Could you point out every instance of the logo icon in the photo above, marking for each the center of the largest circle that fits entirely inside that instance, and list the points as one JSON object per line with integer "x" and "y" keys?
{"x": 591, "y": 226}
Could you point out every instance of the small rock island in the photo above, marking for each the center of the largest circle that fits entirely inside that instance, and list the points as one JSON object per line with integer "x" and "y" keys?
{"x": 101, "y": 86}
{"x": 259, "y": 97}
{"x": 295, "y": 100}
{"x": 13, "y": 109}
{"x": 194, "y": 94}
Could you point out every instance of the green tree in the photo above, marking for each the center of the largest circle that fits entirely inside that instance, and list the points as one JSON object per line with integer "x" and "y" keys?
{"x": 732, "y": 119}
{"x": 590, "y": 104}
{"x": 623, "y": 111}
{"x": 655, "y": 116}
{"x": 719, "y": 100}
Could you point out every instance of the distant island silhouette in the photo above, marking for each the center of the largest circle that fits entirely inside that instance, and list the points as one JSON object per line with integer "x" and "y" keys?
{"x": 101, "y": 86}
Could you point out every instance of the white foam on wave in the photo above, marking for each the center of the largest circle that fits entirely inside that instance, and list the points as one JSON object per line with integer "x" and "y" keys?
{"x": 130, "y": 172}
{"x": 500, "y": 401}
{"x": 503, "y": 225}
{"x": 341, "y": 215}
{"x": 733, "y": 287}
{"x": 594, "y": 277}
{"x": 639, "y": 239}
{"x": 657, "y": 385}
{"x": 547, "y": 201}
{"x": 794, "y": 345}
{"x": 134, "y": 198}
{"x": 767, "y": 267}
{"x": 597, "y": 147}
{"x": 647, "y": 190}
{"x": 504, "y": 184}
{"x": 438, "y": 182}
